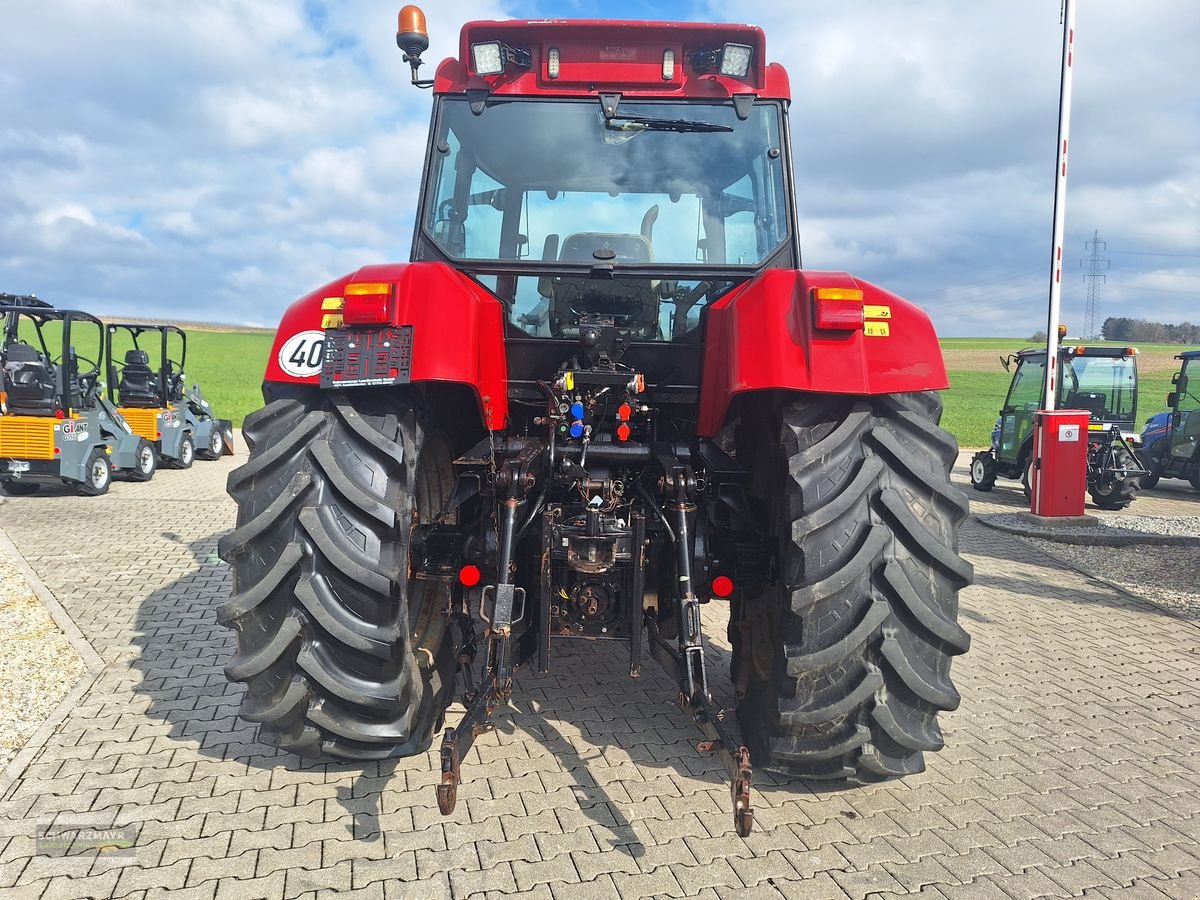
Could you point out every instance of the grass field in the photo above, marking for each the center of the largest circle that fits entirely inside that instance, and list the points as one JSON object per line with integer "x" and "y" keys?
{"x": 229, "y": 366}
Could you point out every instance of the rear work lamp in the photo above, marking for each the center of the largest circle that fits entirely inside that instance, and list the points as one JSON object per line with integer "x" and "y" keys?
{"x": 731, "y": 60}
{"x": 735, "y": 60}
{"x": 493, "y": 57}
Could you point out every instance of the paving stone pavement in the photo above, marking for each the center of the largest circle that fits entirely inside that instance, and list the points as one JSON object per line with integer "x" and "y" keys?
{"x": 1071, "y": 769}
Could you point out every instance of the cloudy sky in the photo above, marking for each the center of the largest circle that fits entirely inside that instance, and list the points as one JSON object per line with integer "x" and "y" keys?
{"x": 214, "y": 159}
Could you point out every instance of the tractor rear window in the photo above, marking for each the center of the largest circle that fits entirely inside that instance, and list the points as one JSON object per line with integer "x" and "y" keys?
{"x": 546, "y": 184}
{"x": 1105, "y": 386}
{"x": 554, "y": 181}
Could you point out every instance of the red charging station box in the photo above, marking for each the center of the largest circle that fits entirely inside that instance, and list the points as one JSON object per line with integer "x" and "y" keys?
{"x": 1058, "y": 478}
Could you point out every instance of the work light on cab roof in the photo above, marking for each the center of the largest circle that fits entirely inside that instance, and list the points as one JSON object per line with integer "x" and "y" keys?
{"x": 585, "y": 53}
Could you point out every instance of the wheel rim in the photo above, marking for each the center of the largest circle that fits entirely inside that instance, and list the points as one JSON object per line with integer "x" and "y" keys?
{"x": 99, "y": 473}
{"x": 214, "y": 443}
{"x": 146, "y": 460}
{"x": 977, "y": 470}
{"x": 185, "y": 452}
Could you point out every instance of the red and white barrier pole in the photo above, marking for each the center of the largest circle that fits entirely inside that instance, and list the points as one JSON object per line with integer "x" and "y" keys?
{"x": 1060, "y": 201}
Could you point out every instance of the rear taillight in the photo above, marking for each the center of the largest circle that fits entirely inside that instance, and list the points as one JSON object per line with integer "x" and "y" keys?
{"x": 367, "y": 303}
{"x": 839, "y": 309}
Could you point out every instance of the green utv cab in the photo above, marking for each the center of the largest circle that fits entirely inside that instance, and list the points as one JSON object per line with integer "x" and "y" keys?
{"x": 149, "y": 392}
{"x": 56, "y": 427}
{"x": 1101, "y": 380}
{"x": 1176, "y": 454}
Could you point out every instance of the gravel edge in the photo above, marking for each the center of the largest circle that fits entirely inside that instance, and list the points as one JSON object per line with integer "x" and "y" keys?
{"x": 93, "y": 665}
{"x": 92, "y": 660}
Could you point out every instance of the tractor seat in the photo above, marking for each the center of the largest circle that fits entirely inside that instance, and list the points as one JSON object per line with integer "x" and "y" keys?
{"x": 138, "y": 386}
{"x": 29, "y": 381}
{"x": 1095, "y": 404}
{"x": 629, "y": 304}
{"x": 629, "y": 248}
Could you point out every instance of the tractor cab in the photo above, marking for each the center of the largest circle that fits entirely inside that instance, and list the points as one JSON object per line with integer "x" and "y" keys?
{"x": 147, "y": 380}
{"x": 1101, "y": 380}
{"x": 55, "y": 425}
{"x": 1176, "y": 454}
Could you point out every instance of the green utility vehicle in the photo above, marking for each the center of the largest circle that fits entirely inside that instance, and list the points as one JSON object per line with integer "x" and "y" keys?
{"x": 1101, "y": 380}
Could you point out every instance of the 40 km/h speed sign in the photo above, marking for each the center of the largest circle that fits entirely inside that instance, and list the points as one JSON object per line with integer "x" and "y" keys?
{"x": 301, "y": 354}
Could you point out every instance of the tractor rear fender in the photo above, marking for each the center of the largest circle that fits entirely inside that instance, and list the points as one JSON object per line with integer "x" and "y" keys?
{"x": 457, "y": 328}
{"x": 764, "y": 336}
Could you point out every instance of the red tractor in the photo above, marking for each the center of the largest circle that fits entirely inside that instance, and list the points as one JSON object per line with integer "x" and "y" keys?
{"x": 602, "y": 393}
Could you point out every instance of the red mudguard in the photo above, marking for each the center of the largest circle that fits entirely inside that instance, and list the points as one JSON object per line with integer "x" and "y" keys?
{"x": 458, "y": 332}
{"x": 762, "y": 336}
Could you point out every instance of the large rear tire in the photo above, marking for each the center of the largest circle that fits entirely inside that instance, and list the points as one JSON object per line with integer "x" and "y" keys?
{"x": 342, "y": 651}
{"x": 849, "y": 660}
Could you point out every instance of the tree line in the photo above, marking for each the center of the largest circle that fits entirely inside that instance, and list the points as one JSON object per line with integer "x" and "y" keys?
{"x": 1122, "y": 329}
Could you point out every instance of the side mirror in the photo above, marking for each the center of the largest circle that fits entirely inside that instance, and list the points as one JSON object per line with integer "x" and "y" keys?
{"x": 1172, "y": 399}
{"x": 1175, "y": 378}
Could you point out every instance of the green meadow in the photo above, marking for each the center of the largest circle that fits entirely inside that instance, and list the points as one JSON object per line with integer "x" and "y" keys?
{"x": 229, "y": 367}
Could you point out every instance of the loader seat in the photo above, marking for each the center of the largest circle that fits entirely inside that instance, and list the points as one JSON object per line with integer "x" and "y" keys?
{"x": 630, "y": 304}
{"x": 29, "y": 381}
{"x": 138, "y": 386}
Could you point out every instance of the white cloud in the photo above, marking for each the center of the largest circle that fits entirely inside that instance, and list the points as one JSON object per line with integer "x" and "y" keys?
{"x": 243, "y": 152}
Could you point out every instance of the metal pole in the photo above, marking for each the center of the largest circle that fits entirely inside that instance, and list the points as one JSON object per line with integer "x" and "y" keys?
{"x": 1060, "y": 201}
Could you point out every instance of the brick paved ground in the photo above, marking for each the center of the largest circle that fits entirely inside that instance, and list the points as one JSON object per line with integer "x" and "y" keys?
{"x": 1072, "y": 768}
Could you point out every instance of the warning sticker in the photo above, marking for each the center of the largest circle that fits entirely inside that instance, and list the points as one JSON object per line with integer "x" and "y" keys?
{"x": 877, "y": 312}
{"x": 877, "y": 329}
{"x": 301, "y": 354}
{"x": 1068, "y": 434}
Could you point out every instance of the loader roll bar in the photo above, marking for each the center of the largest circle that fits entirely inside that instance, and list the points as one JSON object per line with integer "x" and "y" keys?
{"x": 136, "y": 330}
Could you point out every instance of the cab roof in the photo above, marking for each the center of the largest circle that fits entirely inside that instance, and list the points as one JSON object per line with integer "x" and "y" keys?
{"x": 605, "y": 55}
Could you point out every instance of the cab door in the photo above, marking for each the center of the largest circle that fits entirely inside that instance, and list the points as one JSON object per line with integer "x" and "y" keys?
{"x": 1024, "y": 399}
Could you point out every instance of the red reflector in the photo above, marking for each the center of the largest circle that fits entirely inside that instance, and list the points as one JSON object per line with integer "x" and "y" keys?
{"x": 58, "y": 414}
{"x": 622, "y": 432}
{"x": 157, "y": 435}
{"x": 722, "y": 586}
{"x": 368, "y": 309}
{"x": 842, "y": 315}
{"x": 469, "y": 576}
{"x": 56, "y": 450}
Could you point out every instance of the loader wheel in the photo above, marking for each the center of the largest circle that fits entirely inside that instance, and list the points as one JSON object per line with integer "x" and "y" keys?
{"x": 343, "y": 652}
{"x": 1115, "y": 491}
{"x": 215, "y": 445}
{"x": 849, "y": 657}
{"x": 187, "y": 453}
{"x": 983, "y": 471}
{"x": 145, "y": 462}
{"x": 97, "y": 473}
{"x": 16, "y": 488}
